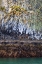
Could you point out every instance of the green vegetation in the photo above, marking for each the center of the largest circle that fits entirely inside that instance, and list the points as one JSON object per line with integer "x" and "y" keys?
{"x": 2, "y": 9}
{"x": 36, "y": 5}
{"x": 17, "y": 10}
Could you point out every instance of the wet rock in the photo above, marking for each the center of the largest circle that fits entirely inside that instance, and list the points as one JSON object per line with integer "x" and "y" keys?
{"x": 21, "y": 50}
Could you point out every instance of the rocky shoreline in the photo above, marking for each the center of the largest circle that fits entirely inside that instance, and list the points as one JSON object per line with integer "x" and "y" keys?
{"x": 17, "y": 50}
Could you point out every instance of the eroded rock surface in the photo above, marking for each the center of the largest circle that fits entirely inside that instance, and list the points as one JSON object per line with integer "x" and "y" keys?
{"x": 21, "y": 50}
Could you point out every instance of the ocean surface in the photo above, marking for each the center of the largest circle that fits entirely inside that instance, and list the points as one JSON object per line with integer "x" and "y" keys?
{"x": 21, "y": 60}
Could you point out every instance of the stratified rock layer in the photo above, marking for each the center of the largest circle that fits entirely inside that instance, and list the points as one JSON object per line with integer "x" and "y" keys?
{"x": 21, "y": 50}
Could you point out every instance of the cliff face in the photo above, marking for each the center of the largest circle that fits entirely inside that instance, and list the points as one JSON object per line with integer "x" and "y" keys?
{"x": 21, "y": 50}
{"x": 33, "y": 18}
{"x": 27, "y": 26}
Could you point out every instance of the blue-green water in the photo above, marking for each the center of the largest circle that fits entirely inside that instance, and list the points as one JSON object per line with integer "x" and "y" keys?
{"x": 21, "y": 61}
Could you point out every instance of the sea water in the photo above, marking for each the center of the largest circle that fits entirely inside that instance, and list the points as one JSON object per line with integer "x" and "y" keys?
{"x": 21, "y": 60}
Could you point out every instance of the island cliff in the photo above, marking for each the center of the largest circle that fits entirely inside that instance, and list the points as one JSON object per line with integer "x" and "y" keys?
{"x": 20, "y": 28}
